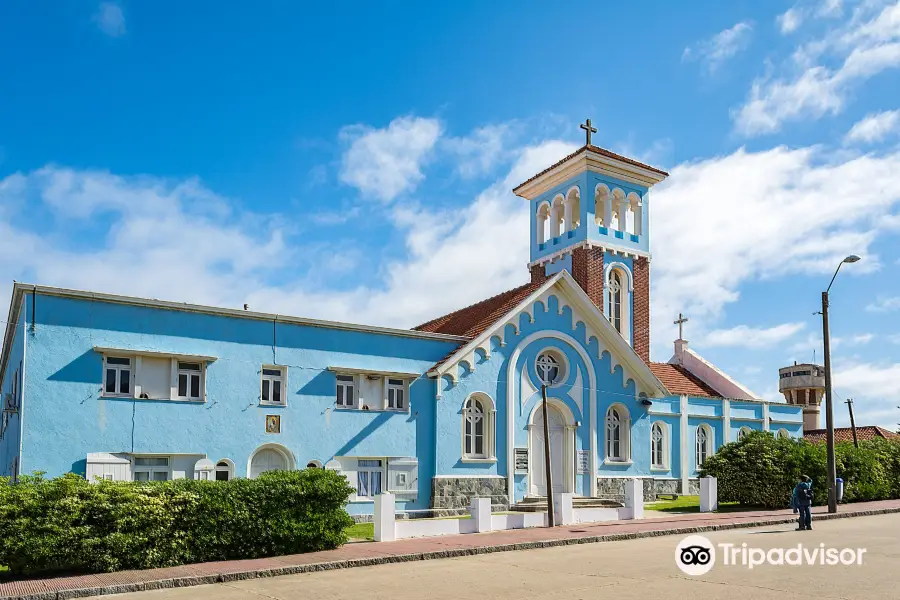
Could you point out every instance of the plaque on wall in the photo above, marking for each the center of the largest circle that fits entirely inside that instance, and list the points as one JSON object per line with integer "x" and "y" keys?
{"x": 521, "y": 460}
{"x": 273, "y": 423}
{"x": 582, "y": 462}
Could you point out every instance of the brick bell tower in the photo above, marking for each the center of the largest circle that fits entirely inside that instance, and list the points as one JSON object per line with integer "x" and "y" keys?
{"x": 590, "y": 216}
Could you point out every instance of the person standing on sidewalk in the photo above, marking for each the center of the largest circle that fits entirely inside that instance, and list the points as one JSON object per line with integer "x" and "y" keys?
{"x": 802, "y": 501}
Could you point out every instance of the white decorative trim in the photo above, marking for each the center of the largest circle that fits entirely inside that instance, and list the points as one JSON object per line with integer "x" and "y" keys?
{"x": 526, "y": 390}
{"x": 766, "y": 417}
{"x": 578, "y": 389}
{"x": 478, "y": 460}
{"x": 685, "y": 445}
{"x": 726, "y": 421}
{"x": 510, "y": 395}
{"x": 626, "y": 252}
{"x": 287, "y": 454}
{"x": 622, "y": 266}
{"x": 154, "y": 353}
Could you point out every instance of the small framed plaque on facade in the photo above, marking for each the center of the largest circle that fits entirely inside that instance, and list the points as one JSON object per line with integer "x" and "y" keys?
{"x": 521, "y": 458}
{"x": 273, "y": 423}
{"x": 582, "y": 462}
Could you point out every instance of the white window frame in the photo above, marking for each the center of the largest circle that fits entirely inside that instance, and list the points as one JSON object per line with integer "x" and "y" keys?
{"x": 562, "y": 365}
{"x": 190, "y": 373}
{"x": 224, "y": 465}
{"x": 623, "y": 422}
{"x": 706, "y": 448}
{"x": 151, "y": 469}
{"x": 743, "y": 432}
{"x": 783, "y": 434}
{"x": 369, "y": 470}
{"x": 393, "y": 386}
{"x": 663, "y": 463}
{"x": 487, "y": 418}
{"x": 271, "y": 379}
{"x": 352, "y": 385}
{"x": 118, "y": 370}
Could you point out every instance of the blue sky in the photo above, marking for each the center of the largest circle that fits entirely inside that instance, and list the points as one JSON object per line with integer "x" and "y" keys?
{"x": 355, "y": 161}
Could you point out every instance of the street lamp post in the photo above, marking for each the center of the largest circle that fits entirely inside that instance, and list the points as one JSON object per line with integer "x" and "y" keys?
{"x": 829, "y": 411}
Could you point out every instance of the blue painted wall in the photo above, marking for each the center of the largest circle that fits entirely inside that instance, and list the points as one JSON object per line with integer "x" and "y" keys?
{"x": 64, "y": 377}
{"x": 13, "y": 376}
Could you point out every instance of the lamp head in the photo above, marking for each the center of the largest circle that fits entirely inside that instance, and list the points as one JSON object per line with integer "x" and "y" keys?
{"x": 852, "y": 259}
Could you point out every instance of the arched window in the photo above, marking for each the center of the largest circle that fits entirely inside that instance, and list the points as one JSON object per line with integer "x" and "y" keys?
{"x": 543, "y": 215}
{"x": 634, "y": 207}
{"x": 620, "y": 209}
{"x": 659, "y": 446}
{"x": 572, "y": 211}
{"x": 743, "y": 433}
{"x": 704, "y": 444}
{"x": 224, "y": 470}
{"x": 602, "y": 208}
{"x": 556, "y": 216}
{"x": 615, "y": 300}
{"x": 270, "y": 457}
{"x": 478, "y": 428}
{"x": 783, "y": 434}
{"x": 314, "y": 464}
{"x": 551, "y": 367}
{"x": 618, "y": 434}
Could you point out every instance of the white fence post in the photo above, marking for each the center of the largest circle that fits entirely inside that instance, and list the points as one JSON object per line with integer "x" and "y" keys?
{"x": 709, "y": 494}
{"x": 565, "y": 515}
{"x": 634, "y": 497}
{"x": 481, "y": 513}
{"x": 385, "y": 518}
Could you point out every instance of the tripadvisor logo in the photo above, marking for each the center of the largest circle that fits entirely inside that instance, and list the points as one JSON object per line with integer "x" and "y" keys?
{"x": 695, "y": 555}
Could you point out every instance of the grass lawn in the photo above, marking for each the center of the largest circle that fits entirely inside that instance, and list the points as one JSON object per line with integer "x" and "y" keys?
{"x": 689, "y": 504}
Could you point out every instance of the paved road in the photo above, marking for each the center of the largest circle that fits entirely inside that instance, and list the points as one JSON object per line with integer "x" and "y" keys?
{"x": 634, "y": 569}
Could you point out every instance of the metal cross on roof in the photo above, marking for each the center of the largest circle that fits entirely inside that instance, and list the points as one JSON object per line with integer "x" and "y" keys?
{"x": 680, "y": 322}
{"x": 588, "y": 130}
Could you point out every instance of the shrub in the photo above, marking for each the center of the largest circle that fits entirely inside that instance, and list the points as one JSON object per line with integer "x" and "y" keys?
{"x": 762, "y": 470}
{"x": 68, "y": 525}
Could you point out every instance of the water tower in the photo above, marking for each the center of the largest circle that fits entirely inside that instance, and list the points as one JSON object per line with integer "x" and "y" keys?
{"x": 804, "y": 385}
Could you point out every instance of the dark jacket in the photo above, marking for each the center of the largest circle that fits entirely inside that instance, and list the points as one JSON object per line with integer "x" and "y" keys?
{"x": 800, "y": 497}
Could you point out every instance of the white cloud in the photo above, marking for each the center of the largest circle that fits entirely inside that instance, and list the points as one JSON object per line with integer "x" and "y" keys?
{"x": 874, "y": 127}
{"x": 884, "y": 304}
{"x": 718, "y": 49}
{"x": 862, "y": 338}
{"x": 873, "y": 387}
{"x": 385, "y": 163}
{"x": 743, "y": 336}
{"x": 481, "y": 151}
{"x": 864, "y": 47}
{"x": 110, "y": 19}
{"x": 790, "y": 20}
{"x": 761, "y": 215}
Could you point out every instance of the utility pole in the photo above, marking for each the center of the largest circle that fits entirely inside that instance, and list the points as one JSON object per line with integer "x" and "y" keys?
{"x": 852, "y": 422}
{"x": 551, "y": 521}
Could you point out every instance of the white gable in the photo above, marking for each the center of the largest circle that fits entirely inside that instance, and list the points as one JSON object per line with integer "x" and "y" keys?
{"x": 569, "y": 295}
{"x": 709, "y": 373}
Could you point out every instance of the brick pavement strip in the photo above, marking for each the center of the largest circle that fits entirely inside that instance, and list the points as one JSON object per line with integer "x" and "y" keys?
{"x": 369, "y": 554}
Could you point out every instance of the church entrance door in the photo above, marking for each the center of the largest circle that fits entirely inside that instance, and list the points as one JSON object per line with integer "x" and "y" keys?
{"x": 558, "y": 458}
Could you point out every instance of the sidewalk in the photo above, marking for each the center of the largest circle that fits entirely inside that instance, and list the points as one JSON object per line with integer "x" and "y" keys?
{"x": 365, "y": 554}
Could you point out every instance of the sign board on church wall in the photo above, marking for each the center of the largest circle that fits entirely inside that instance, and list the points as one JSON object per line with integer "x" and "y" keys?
{"x": 521, "y": 458}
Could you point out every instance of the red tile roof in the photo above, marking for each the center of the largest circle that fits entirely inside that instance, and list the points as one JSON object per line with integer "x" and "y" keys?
{"x": 679, "y": 380}
{"x": 845, "y": 434}
{"x": 598, "y": 150}
{"x": 474, "y": 319}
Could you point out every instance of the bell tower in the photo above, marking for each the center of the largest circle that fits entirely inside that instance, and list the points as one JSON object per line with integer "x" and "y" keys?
{"x": 590, "y": 216}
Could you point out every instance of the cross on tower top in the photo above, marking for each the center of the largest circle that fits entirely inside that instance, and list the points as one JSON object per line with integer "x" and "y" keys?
{"x": 588, "y": 130}
{"x": 680, "y": 322}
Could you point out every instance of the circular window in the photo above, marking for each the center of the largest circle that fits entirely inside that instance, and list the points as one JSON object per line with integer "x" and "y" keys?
{"x": 550, "y": 367}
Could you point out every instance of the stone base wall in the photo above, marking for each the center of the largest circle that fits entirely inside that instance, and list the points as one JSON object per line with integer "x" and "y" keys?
{"x": 613, "y": 488}
{"x": 454, "y": 493}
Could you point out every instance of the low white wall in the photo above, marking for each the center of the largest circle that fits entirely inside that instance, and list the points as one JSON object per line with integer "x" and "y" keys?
{"x": 596, "y": 515}
{"x": 518, "y": 521}
{"x": 415, "y": 528}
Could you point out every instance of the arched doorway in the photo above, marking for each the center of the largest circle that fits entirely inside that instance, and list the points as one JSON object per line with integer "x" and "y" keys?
{"x": 270, "y": 457}
{"x": 561, "y": 450}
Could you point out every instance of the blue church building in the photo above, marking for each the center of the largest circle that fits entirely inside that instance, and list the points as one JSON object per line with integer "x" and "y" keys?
{"x": 122, "y": 388}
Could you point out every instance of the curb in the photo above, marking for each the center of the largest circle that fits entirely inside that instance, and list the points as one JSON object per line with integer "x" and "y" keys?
{"x": 189, "y": 581}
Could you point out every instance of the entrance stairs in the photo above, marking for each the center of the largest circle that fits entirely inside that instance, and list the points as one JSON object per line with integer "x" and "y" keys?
{"x": 539, "y": 504}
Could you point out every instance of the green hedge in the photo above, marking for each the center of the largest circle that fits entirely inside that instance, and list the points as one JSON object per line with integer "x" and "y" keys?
{"x": 68, "y": 525}
{"x": 762, "y": 470}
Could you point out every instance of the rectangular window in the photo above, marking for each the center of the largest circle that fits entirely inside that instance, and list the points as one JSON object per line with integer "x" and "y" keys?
{"x": 396, "y": 394}
{"x": 368, "y": 478}
{"x": 189, "y": 381}
{"x": 272, "y": 385}
{"x": 346, "y": 392}
{"x": 117, "y": 380}
{"x": 150, "y": 468}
